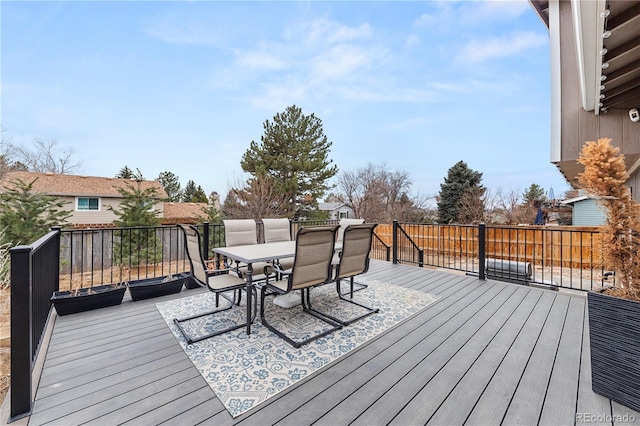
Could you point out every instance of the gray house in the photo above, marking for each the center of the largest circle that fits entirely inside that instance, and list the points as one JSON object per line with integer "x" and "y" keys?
{"x": 586, "y": 210}
{"x": 337, "y": 210}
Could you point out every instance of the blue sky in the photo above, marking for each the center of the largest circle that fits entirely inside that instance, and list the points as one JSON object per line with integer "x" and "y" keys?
{"x": 186, "y": 86}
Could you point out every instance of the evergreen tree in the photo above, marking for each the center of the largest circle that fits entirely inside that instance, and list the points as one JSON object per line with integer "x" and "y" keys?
{"x": 533, "y": 193}
{"x": 461, "y": 181}
{"x": 126, "y": 173}
{"x": 26, "y": 216}
{"x": 137, "y": 245}
{"x": 294, "y": 152}
{"x": 193, "y": 193}
{"x": 171, "y": 186}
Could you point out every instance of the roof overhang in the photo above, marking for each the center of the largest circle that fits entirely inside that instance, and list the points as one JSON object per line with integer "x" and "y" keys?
{"x": 607, "y": 36}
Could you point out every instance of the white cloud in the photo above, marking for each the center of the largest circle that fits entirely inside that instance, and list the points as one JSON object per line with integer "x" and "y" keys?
{"x": 260, "y": 60}
{"x": 192, "y": 33}
{"x": 330, "y": 32}
{"x": 343, "y": 61}
{"x": 478, "y": 50}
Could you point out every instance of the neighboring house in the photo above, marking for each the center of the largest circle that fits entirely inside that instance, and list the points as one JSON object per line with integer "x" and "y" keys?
{"x": 586, "y": 210}
{"x": 595, "y": 80}
{"x": 183, "y": 213}
{"x": 337, "y": 210}
{"x": 88, "y": 198}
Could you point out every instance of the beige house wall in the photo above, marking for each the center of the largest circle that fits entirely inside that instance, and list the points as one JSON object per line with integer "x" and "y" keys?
{"x": 97, "y": 217}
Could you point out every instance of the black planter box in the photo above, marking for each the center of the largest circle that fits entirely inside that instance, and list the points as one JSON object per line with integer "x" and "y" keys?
{"x": 192, "y": 283}
{"x": 158, "y": 286}
{"x": 86, "y": 299}
{"x": 614, "y": 331}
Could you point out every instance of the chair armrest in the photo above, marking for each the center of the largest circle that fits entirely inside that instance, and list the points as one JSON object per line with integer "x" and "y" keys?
{"x": 211, "y": 272}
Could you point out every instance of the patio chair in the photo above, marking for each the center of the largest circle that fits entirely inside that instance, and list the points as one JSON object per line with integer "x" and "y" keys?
{"x": 217, "y": 281}
{"x": 278, "y": 230}
{"x": 354, "y": 260}
{"x": 343, "y": 225}
{"x": 336, "y": 259}
{"x": 311, "y": 267}
{"x": 240, "y": 232}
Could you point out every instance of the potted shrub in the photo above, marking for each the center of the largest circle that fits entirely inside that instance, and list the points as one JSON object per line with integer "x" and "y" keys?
{"x": 85, "y": 299}
{"x": 157, "y": 286}
{"x": 614, "y": 313}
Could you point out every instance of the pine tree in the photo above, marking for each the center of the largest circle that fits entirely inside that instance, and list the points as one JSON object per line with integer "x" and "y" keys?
{"x": 26, "y": 216}
{"x": 294, "y": 151}
{"x": 461, "y": 182}
{"x": 126, "y": 173}
{"x": 171, "y": 185}
{"x": 137, "y": 245}
{"x": 533, "y": 193}
{"x": 193, "y": 193}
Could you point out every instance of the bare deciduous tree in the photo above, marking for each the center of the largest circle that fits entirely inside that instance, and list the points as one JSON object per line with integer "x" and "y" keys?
{"x": 47, "y": 156}
{"x": 377, "y": 194}
{"x": 257, "y": 198}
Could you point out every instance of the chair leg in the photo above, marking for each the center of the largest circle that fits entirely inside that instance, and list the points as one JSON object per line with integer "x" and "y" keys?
{"x": 190, "y": 340}
{"x": 263, "y": 294}
{"x": 352, "y": 288}
{"x": 369, "y": 310}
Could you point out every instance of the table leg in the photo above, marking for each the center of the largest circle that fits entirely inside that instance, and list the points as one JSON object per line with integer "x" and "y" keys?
{"x": 249, "y": 292}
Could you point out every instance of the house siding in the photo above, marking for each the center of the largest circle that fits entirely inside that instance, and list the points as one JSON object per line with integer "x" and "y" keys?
{"x": 579, "y": 126}
{"x": 588, "y": 213}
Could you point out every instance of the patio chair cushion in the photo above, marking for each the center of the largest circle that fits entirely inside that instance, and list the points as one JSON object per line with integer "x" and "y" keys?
{"x": 240, "y": 232}
{"x": 276, "y": 230}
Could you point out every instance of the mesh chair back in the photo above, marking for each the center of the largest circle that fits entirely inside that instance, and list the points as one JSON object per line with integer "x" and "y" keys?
{"x": 192, "y": 244}
{"x": 356, "y": 245}
{"x": 343, "y": 225}
{"x": 314, "y": 251}
{"x": 276, "y": 230}
{"x": 240, "y": 232}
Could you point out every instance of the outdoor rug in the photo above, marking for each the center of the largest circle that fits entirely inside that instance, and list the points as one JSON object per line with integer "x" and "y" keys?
{"x": 245, "y": 371}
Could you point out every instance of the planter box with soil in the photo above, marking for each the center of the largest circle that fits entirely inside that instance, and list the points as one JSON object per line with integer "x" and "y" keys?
{"x": 157, "y": 286}
{"x": 85, "y": 299}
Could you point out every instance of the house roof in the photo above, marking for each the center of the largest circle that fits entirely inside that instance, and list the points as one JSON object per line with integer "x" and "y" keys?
{"x": 330, "y": 206}
{"x": 183, "y": 212}
{"x": 74, "y": 185}
{"x": 586, "y": 197}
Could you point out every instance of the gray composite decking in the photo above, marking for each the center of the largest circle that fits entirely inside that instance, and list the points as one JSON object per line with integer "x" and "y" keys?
{"x": 485, "y": 353}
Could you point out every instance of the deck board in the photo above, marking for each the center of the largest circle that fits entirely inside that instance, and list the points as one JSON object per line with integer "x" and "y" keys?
{"x": 484, "y": 353}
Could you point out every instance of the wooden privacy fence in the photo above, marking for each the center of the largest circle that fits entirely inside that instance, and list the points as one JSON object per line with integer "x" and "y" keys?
{"x": 573, "y": 247}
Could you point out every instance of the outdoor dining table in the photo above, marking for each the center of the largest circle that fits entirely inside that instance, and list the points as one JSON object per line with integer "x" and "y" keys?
{"x": 254, "y": 253}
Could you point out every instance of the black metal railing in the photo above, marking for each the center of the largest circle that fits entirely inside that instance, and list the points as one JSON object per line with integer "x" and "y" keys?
{"x": 556, "y": 256}
{"x": 34, "y": 278}
{"x": 559, "y": 257}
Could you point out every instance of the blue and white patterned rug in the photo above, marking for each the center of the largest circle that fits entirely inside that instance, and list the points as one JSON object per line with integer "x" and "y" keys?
{"x": 245, "y": 371}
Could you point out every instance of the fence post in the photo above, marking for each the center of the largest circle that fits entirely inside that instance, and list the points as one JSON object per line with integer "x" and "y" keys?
{"x": 205, "y": 240}
{"x": 21, "y": 331}
{"x": 481, "y": 252}
{"x": 395, "y": 241}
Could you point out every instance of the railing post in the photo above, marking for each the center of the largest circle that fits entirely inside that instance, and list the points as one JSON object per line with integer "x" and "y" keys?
{"x": 21, "y": 331}
{"x": 481, "y": 252}
{"x": 395, "y": 241}
{"x": 58, "y": 229}
{"x": 205, "y": 240}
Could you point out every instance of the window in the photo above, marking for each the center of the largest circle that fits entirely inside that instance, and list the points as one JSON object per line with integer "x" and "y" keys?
{"x": 343, "y": 214}
{"x": 86, "y": 203}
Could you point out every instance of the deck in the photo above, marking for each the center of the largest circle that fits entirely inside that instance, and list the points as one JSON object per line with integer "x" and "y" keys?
{"x": 486, "y": 353}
